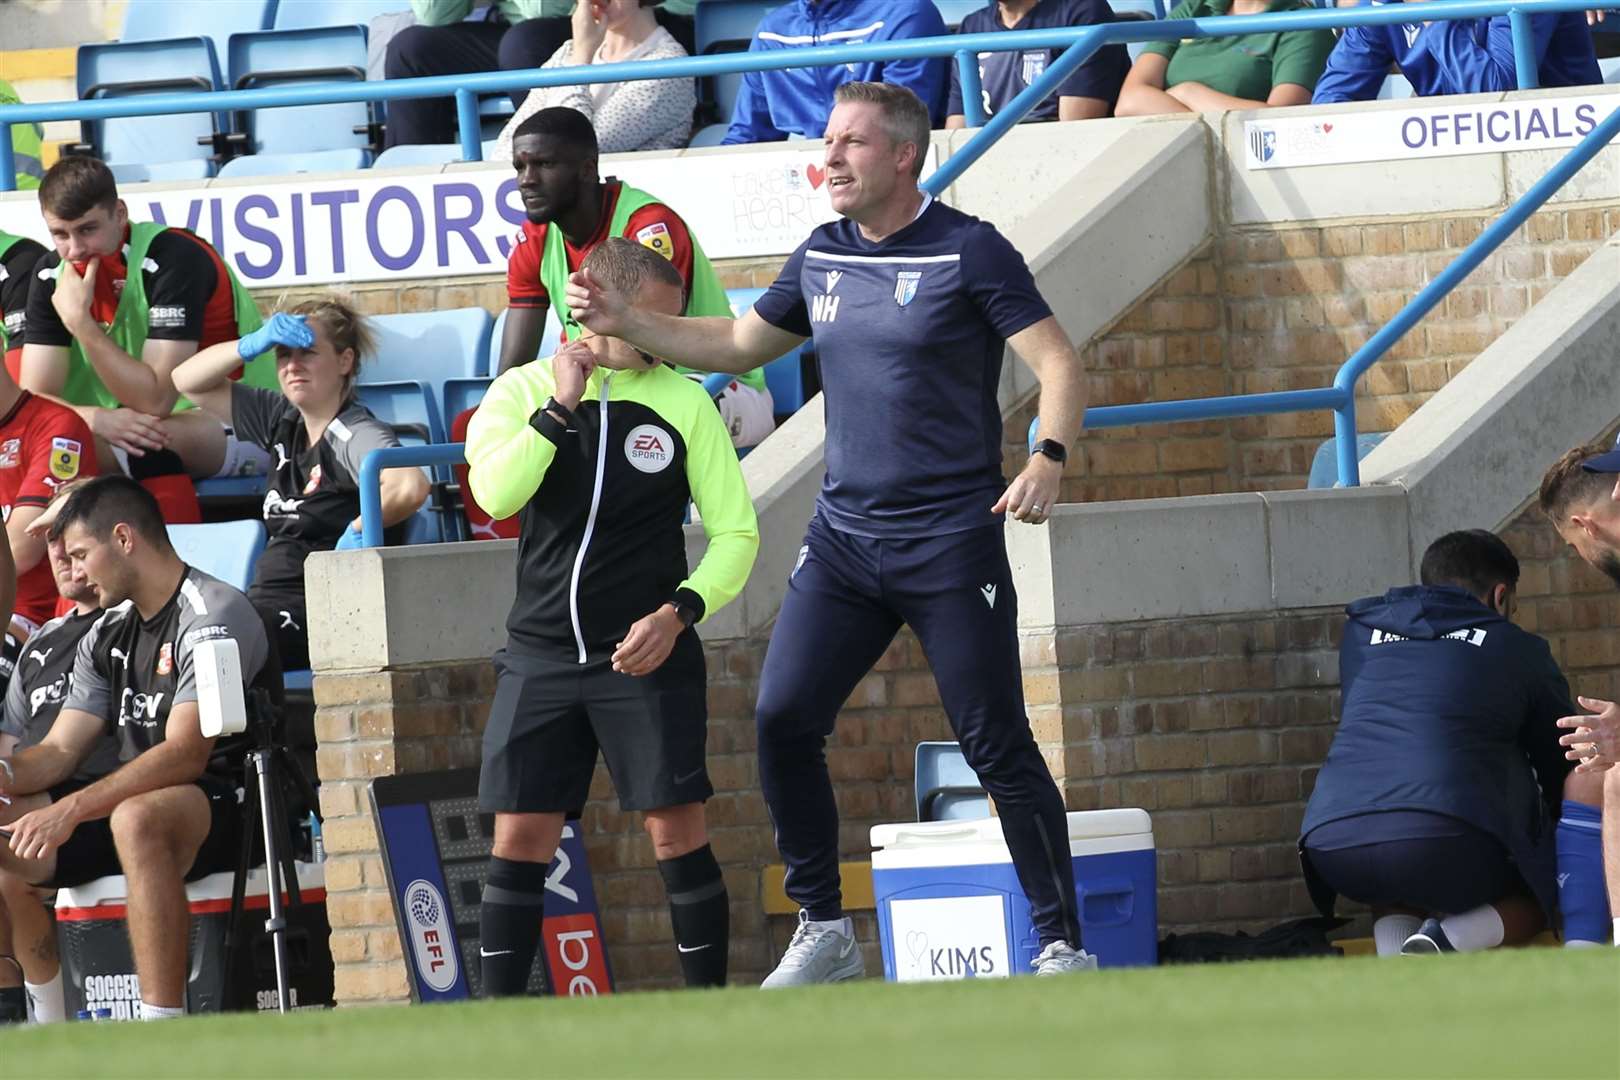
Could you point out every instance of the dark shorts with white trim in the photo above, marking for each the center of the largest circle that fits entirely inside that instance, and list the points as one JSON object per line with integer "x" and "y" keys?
{"x": 551, "y": 716}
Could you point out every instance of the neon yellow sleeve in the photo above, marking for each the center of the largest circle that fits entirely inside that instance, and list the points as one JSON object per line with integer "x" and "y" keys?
{"x": 506, "y": 458}
{"x": 715, "y": 477}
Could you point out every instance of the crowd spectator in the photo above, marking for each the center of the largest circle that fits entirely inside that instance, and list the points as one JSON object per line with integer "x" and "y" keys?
{"x": 1581, "y": 497}
{"x": 169, "y": 812}
{"x": 111, "y": 313}
{"x": 1436, "y": 804}
{"x": 570, "y": 210}
{"x": 776, "y": 105}
{"x": 18, "y": 254}
{"x": 43, "y": 445}
{"x": 1246, "y": 71}
{"x": 653, "y": 114}
{"x": 1085, "y": 95}
{"x": 511, "y": 36}
{"x": 32, "y": 699}
{"x": 318, "y": 434}
{"x": 1459, "y": 56}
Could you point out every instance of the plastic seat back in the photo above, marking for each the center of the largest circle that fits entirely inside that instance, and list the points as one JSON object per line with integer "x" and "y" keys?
{"x": 226, "y": 549}
{"x": 946, "y": 786}
{"x": 289, "y": 164}
{"x": 282, "y": 58}
{"x": 128, "y": 69}
{"x": 429, "y": 346}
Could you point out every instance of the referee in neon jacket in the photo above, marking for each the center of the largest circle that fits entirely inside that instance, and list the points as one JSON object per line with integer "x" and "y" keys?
{"x": 601, "y": 450}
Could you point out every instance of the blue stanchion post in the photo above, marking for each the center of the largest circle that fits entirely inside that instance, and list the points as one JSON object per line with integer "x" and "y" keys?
{"x": 469, "y": 125}
{"x": 967, "y": 70}
{"x": 1460, "y": 267}
{"x": 8, "y": 160}
{"x": 396, "y": 457}
{"x": 1524, "y": 51}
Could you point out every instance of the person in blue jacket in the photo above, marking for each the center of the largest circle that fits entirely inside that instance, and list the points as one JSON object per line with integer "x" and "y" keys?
{"x": 1437, "y": 802}
{"x": 776, "y": 105}
{"x": 1463, "y": 56}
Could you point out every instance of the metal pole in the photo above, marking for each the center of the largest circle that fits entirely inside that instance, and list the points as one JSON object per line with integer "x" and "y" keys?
{"x": 472, "y": 134}
{"x": 276, "y": 924}
{"x": 8, "y": 160}
{"x": 1344, "y": 445}
{"x": 1524, "y": 51}
{"x": 967, "y": 70}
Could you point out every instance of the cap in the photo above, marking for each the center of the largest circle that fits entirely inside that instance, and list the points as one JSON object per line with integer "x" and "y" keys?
{"x": 1604, "y": 463}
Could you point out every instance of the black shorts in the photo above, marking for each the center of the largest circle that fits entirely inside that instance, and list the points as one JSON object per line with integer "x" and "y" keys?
{"x": 1439, "y": 874}
{"x": 551, "y": 716}
{"x": 90, "y": 852}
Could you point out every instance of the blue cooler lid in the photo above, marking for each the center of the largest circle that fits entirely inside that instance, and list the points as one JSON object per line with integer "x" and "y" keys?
{"x": 941, "y": 843}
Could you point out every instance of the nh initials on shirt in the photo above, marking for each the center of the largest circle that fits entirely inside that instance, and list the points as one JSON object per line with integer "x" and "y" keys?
{"x": 823, "y": 308}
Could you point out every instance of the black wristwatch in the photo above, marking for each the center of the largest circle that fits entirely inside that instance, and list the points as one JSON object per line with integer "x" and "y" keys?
{"x": 1052, "y": 449}
{"x": 688, "y": 606}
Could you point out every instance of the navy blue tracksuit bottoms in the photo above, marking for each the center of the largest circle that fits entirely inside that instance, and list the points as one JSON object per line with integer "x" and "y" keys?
{"x": 848, "y": 597}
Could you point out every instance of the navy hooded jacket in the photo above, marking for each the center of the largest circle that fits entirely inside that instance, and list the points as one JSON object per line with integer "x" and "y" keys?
{"x": 1463, "y": 56}
{"x": 1448, "y": 708}
{"x": 772, "y": 105}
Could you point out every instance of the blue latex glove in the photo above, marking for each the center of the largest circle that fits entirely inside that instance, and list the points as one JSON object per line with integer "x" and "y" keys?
{"x": 290, "y": 330}
{"x": 350, "y": 540}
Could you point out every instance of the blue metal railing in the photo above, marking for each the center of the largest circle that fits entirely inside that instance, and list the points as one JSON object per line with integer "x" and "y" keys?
{"x": 1079, "y": 43}
{"x": 396, "y": 457}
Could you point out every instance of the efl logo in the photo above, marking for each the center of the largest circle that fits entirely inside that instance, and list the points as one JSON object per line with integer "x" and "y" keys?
{"x": 649, "y": 448}
{"x": 430, "y": 935}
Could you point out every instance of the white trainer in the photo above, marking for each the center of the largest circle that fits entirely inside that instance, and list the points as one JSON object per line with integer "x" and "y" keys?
{"x": 820, "y": 952}
{"x": 1060, "y": 958}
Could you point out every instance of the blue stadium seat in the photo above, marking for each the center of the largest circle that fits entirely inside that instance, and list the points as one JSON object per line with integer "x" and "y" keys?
{"x": 1395, "y": 88}
{"x": 784, "y": 376}
{"x": 133, "y": 172}
{"x": 428, "y": 346}
{"x": 299, "y": 58}
{"x": 463, "y": 394}
{"x": 1325, "y": 462}
{"x": 127, "y": 69}
{"x": 549, "y": 340}
{"x": 406, "y": 157}
{"x": 216, "y": 20}
{"x": 954, "y": 11}
{"x": 946, "y": 788}
{"x": 725, "y": 26}
{"x": 288, "y": 164}
{"x": 406, "y": 405}
{"x": 709, "y": 134}
{"x": 304, "y": 14}
{"x": 225, "y": 549}
{"x": 232, "y": 488}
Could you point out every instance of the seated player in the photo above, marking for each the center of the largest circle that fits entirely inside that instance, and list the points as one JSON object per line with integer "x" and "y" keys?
{"x": 1087, "y": 94}
{"x": 106, "y": 341}
{"x": 318, "y": 435}
{"x": 796, "y": 102}
{"x": 1462, "y": 56}
{"x": 32, "y": 700}
{"x": 43, "y": 445}
{"x": 1437, "y": 802}
{"x": 169, "y": 812}
{"x": 1248, "y": 71}
{"x": 601, "y": 449}
{"x": 1581, "y": 497}
{"x": 18, "y": 254}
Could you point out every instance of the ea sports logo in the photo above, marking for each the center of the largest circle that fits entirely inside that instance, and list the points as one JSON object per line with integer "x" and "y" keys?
{"x": 649, "y": 448}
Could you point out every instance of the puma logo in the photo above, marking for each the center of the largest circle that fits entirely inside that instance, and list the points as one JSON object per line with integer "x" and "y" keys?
{"x": 282, "y": 459}
{"x": 39, "y": 656}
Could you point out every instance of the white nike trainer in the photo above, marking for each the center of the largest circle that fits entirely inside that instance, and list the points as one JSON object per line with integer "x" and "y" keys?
{"x": 1060, "y": 958}
{"x": 820, "y": 952}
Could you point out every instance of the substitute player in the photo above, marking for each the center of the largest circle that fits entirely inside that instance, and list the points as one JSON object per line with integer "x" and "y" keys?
{"x": 911, "y": 304}
{"x": 600, "y": 449}
{"x": 570, "y": 210}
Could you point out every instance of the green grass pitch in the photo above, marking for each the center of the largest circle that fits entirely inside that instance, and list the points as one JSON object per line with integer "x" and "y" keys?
{"x": 1523, "y": 1013}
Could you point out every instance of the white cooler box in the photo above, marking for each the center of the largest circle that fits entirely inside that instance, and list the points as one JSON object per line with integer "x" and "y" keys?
{"x": 950, "y": 907}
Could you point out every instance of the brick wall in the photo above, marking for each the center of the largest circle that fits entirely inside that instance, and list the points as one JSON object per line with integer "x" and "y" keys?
{"x": 1267, "y": 309}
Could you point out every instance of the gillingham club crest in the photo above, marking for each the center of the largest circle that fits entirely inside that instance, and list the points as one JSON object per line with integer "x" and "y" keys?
{"x": 1262, "y": 144}
{"x": 905, "y": 286}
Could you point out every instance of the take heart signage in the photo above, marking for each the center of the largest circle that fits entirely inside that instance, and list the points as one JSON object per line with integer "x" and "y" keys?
{"x": 817, "y": 175}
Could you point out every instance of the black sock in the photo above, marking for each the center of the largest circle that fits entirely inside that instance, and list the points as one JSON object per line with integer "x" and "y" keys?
{"x": 509, "y": 924}
{"x": 701, "y": 914}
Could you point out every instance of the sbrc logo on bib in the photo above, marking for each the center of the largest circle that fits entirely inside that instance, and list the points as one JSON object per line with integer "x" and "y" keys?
{"x": 649, "y": 448}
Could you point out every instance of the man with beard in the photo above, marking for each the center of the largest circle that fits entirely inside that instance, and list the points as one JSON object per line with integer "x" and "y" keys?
{"x": 1581, "y": 498}
{"x": 570, "y": 211}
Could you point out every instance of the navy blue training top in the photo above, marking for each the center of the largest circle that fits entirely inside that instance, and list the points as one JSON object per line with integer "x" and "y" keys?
{"x": 1004, "y": 75}
{"x": 909, "y": 334}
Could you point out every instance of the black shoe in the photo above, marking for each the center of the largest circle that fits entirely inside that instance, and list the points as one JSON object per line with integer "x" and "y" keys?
{"x": 1430, "y": 940}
